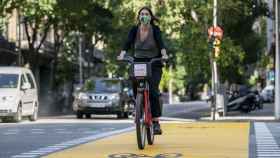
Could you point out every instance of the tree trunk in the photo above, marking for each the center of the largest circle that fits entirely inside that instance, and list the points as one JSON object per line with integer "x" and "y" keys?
{"x": 57, "y": 45}
{"x": 34, "y": 63}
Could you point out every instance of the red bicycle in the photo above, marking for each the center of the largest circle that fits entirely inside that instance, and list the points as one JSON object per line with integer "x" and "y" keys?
{"x": 141, "y": 73}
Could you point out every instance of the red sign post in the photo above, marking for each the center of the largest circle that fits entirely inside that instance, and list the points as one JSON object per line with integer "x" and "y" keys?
{"x": 217, "y": 32}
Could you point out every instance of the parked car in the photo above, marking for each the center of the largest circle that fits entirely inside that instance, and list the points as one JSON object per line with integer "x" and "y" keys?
{"x": 18, "y": 94}
{"x": 104, "y": 96}
{"x": 267, "y": 93}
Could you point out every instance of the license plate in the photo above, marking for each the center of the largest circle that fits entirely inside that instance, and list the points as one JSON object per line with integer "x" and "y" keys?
{"x": 97, "y": 105}
{"x": 140, "y": 70}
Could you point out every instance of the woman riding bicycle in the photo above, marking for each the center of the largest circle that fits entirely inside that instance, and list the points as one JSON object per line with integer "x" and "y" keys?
{"x": 145, "y": 39}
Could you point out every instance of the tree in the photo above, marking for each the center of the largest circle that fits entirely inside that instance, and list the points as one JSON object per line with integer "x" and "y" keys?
{"x": 37, "y": 18}
{"x": 184, "y": 25}
{"x": 88, "y": 18}
{"x": 244, "y": 14}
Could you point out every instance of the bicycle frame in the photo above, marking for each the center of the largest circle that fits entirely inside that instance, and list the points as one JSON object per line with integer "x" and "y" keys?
{"x": 143, "y": 86}
{"x": 141, "y": 73}
{"x": 147, "y": 106}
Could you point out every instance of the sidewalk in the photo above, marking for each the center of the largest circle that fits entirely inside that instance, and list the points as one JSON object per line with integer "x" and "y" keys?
{"x": 265, "y": 114}
{"x": 180, "y": 140}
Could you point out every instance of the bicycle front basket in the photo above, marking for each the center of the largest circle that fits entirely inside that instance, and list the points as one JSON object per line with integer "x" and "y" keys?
{"x": 140, "y": 70}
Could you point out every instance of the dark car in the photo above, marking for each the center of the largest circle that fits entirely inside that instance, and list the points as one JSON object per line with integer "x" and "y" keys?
{"x": 104, "y": 96}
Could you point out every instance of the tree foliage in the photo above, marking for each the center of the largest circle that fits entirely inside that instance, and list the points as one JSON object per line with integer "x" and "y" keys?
{"x": 184, "y": 25}
{"x": 37, "y": 18}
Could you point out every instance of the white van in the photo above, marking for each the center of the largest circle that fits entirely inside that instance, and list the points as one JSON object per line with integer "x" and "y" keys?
{"x": 18, "y": 94}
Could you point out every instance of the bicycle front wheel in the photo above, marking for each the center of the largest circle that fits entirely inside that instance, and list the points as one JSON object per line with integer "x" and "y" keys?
{"x": 150, "y": 135}
{"x": 140, "y": 123}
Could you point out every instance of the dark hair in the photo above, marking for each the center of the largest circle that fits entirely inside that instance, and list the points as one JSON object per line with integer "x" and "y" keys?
{"x": 153, "y": 18}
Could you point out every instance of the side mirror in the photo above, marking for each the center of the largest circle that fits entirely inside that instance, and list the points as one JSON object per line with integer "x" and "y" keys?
{"x": 26, "y": 86}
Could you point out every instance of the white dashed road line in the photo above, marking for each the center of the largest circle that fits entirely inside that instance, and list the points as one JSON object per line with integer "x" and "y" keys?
{"x": 10, "y": 133}
{"x": 64, "y": 132}
{"x": 37, "y": 129}
{"x": 60, "y": 129}
{"x": 57, "y": 147}
{"x": 37, "y": 132}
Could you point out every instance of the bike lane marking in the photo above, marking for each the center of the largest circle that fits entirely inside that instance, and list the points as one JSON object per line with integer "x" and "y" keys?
{"x": 64, "y": 145}
{"x": 179, "y": 140}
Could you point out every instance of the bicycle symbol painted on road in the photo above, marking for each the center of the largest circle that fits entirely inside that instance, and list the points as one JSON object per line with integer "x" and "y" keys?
{"x": 130, "y": 155}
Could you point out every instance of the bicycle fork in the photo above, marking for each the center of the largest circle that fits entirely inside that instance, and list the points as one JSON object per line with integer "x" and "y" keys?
{"x": 144, "y": 89}
{"x": 147, "y": 108}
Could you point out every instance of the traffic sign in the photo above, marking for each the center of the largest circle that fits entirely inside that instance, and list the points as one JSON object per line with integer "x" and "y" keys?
{"x": 216, "y": 32}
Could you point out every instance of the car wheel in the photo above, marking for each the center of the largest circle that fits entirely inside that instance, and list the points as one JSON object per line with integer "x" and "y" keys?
{"x": 120, "y": 115}
{"x": 34, "y": 116}
{"x": 126, "y": 115}
{"x": 18, "y": 116}
{"x": 79, "y": 115}
{"x": 88, "y": 116}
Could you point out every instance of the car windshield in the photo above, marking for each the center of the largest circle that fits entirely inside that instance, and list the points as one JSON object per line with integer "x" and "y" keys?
{"x": 101, "y": 86}
{"x": 8, "y": 80}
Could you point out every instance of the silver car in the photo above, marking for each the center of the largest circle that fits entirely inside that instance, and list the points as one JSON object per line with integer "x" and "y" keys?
{"x": 103, "y": 96}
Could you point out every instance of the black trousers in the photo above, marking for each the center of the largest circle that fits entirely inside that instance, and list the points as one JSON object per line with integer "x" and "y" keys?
{"x": 154, "y": 90}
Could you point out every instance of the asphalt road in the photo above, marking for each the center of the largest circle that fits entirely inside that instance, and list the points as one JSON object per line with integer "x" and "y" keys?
{"x": 50, "y": 134}
{"x": 20, "y": 138}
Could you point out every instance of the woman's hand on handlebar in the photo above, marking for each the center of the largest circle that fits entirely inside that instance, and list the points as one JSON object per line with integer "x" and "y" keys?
{"x": 164, "y": 54}
{"x": 121, "y": 56}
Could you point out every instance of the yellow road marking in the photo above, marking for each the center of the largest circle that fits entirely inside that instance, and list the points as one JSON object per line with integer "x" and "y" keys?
{"x": 192, "y": 140}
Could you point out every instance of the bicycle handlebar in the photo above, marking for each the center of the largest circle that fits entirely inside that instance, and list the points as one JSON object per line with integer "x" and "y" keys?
{"x": 130, "y": 59}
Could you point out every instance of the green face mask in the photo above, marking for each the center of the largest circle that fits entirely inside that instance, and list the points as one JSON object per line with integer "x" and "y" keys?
{"x": 144, "y": 19}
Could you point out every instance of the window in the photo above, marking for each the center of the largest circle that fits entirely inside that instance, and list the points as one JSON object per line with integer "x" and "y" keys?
{"x": 100, "y": 85}
{"x": 8, "y": 80}
{"x": 22, "y": 80}
{"x": 30, "y": 80}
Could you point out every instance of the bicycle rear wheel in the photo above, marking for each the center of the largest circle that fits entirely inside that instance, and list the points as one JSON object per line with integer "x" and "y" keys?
{"x": 140, "y": 123}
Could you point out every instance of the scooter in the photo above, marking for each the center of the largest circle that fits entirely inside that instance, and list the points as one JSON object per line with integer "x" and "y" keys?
{"x": 258, "y": 101}
{"x": 244, "y": 103}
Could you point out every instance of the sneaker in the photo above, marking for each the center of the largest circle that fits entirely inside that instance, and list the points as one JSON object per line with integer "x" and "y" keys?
{"x": 157, "y": 129}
